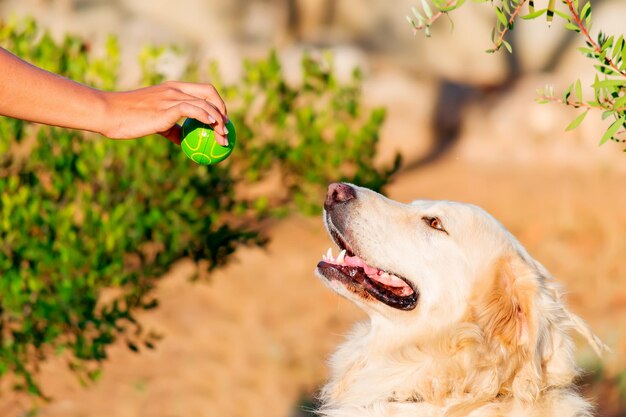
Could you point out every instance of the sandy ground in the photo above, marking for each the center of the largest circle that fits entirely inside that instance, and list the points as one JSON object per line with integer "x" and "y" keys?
{"x": 253, "y": 341}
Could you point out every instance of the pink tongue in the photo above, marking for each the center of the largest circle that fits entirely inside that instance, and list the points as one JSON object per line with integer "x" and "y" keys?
{"x": 354, "y": 261}
{"x": 370, "y": 270}
{"x": 394, "y": 282}
{"x": 376, "y": 274}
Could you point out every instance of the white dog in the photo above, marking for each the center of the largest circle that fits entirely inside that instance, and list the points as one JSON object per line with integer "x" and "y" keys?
{"x": 463, "y": 322}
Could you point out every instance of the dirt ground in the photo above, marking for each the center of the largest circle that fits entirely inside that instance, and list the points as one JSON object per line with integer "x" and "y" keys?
{"x": 254, "y": 340}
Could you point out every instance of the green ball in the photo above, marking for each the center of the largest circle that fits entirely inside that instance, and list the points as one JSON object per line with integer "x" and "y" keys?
{"x": 199, "y": 144}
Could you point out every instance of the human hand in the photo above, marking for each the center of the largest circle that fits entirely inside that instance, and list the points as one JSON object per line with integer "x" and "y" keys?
{"x": 156, "y": 109}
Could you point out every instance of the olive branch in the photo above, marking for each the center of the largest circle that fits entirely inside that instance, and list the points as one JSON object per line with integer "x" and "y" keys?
{"x": 608, "y": 52}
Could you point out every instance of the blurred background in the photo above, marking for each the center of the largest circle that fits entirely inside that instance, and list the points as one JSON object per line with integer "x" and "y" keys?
{"x": 252, "y": 340}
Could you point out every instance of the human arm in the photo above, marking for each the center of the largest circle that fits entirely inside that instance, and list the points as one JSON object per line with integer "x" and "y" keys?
{"x": 31, "y": 93}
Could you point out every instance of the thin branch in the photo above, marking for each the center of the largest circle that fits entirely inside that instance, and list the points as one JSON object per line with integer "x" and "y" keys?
{"x": 599, "y": 106}
{"x": 434, "y": 17}
{"x": 590, "y": 40}
{"x": 518, "y": 9}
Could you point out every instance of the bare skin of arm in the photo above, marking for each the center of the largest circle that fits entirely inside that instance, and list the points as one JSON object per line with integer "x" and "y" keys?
{"x": 31, "y": 93}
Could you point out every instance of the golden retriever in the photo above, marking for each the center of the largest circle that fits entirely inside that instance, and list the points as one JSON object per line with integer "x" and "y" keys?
{"x": 462, "y": 321}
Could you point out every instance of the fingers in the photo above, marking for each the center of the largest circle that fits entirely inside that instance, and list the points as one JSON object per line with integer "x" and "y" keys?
{"x": 198, "y": 101}
{"x": 201, "y": 111}
{"x": 206, "y": 97}
{"x": 215, "y": 117}
{"x": 205, "y": 92}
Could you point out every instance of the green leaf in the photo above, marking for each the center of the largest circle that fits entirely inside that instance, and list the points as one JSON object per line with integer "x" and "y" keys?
{"x": 507, "y": 46}
{"x": 562, "y": 15}
{"x": 501, "y": 16}
{"x": 577, "y": 121}
{"x": 454, "y": 6}
{"x": 422, "y": 21}
{"x": 620, "y": 103}
{"x": 609, "y": 83}
{"x": 572, "y": 27}
{"x": 619, "y": 46}
{"x": 596, "y": 91}
{"x": 427, "y": 10}
{"x": 613, "y": 129}
{"x": 586, "y": 51}
{"x": 534, "y": 15}
{"x": 506, "y": 8}
{"x": 416, "y": 13}
{"x": 608, "y": 43}
{"x": 585, "y": 13}
{"x": 578, "y": 92}
{"x": 567, "y": 93}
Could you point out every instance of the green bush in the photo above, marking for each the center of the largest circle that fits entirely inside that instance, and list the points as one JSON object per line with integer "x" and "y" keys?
{"x": 80, "y": 214}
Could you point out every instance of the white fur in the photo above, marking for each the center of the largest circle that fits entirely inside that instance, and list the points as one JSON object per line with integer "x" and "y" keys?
{"x": 489, "y": 336}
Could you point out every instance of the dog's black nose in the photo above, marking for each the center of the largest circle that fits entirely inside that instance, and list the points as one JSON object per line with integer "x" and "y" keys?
{"x": 338, "y": 193}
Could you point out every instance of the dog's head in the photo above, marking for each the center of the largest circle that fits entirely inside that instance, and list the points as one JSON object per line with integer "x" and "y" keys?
{"x": 421, "y": 269}
{"x": 420, "y": 262}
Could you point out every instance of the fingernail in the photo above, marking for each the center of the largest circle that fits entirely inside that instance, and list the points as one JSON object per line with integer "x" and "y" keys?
{"x": 225, "y": 130}
{"x": 211, "y": 120}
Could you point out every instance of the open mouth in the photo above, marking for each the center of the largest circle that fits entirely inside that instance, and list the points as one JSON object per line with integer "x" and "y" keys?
{"x": 355, "y": 273}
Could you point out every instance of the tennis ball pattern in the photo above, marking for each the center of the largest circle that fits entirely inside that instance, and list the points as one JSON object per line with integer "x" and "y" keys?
{"x": 199, "y": 144}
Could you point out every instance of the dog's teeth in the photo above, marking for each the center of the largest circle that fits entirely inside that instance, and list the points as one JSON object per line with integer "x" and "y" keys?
{"x": 341, "y": 257}
{"x": 329, "y": 254}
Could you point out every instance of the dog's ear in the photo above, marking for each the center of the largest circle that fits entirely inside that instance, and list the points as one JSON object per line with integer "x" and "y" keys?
{"x": 505, "y": 309}
{"x": 520, "y": 311}
{"x": 507, "y": 313}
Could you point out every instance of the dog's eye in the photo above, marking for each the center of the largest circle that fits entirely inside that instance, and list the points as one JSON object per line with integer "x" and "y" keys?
{"x": 435, "y": 223}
